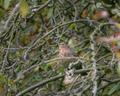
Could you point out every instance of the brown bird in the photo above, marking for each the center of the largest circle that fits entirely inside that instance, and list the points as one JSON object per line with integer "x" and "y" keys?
{"x": 65, "y": 55}
{"x": 65, "y": 51}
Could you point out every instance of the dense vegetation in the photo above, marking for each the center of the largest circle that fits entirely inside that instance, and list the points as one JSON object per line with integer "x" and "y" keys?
{"x": 59, "y": 48}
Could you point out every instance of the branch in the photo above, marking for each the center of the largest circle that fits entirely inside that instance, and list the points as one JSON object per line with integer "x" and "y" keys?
{"x": 94, "y": 78}
{"x": 110, "y": 82}
{"x": 11, "y": 15}
{"x": 38, "y": 8}
{"x": 56, "y": 27}
{"x": 47, "y": 81}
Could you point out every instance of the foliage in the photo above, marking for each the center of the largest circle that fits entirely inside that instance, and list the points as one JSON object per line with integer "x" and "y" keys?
{"x": 31, "y": 32}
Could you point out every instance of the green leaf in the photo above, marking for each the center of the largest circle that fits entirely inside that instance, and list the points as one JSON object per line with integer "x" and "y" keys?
{"x": 6, "y": 3}
{"x": 73, "y": 26}
{"x": 114, "y": 88}
{"x": 50, "y": 13}
{"x": 47, "y": 67}
{"x": 24, "y": 8}
{"x": 118, "y": 68}
{"x": 1, "y": 2}
{"x": 1, "y": 13}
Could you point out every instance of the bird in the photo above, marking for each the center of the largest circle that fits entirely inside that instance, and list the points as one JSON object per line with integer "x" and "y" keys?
{"x": 65, "y": 51}
{"x": 66, "y": 56}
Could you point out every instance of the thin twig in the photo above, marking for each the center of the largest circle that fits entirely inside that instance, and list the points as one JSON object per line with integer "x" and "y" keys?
{"x": 46, "y": 81}
{"x": 38, "y": 8}
{"x": 11, "y": 15}
{"x": 56, "y": 27}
